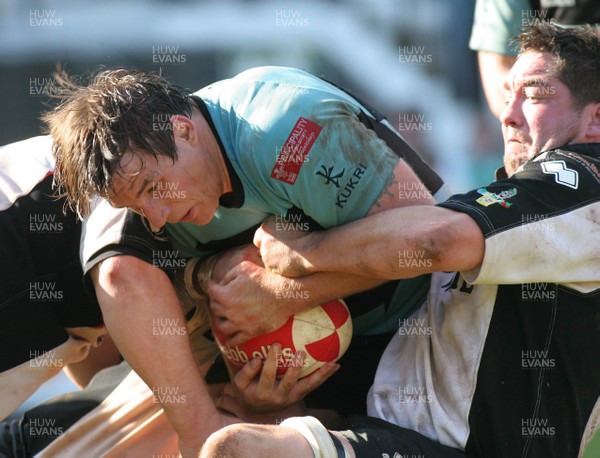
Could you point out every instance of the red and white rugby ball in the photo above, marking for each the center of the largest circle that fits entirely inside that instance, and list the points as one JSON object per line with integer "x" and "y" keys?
{"x": 323, "y": 333}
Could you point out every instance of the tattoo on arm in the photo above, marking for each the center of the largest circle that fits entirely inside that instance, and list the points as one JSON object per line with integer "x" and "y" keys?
{"x": 387, "y": 190}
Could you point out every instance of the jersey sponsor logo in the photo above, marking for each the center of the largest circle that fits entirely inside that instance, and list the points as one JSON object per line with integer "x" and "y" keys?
{"x": 294, "y": 151}
{"x": 330, "y": 176}
{"x": 348, "y": 187}
{"x": 489, "y": 198}
{"x": 562, "y": 174}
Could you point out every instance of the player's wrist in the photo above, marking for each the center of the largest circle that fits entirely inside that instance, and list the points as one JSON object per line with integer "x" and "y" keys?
{"x": 197, "y": 274}
{"x": 307, "y": 250}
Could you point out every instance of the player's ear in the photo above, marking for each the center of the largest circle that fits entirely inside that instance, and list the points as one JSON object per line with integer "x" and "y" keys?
{"x": 183, "y": 127}
{"x": 593, "y": 127}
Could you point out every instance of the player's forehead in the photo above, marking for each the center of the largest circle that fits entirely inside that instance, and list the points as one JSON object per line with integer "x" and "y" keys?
{"x": 532, "y": 68}
{"x": 135, "y": 172}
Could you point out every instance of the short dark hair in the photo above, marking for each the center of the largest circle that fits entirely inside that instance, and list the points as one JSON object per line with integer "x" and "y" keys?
{"x": 95, "y": 124}
{"x": 576, "y": 51}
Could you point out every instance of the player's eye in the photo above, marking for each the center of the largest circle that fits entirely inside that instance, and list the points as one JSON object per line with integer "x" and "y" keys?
{"x": 537, "y": 93}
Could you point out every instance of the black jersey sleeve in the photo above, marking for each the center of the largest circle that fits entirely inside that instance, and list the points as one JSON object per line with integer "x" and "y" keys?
{"x": 540, "y": 223}
{"x": 113, "y": 231}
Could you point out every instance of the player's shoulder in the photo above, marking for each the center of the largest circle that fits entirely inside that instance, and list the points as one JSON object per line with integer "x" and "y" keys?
{"x": 38, "y": 149}
{"x": 23, "y": 165}
{"x": 569, "y": 165}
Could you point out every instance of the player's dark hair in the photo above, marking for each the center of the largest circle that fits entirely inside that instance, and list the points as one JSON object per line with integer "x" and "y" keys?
{"x": 576, "y": 51}
{"x": 95, "y": 124}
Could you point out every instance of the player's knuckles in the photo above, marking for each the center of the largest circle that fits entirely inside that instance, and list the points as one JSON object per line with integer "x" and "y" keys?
{"x": 216, "y": 310}
{"x": 245, "y": 380}
{"x": 259, "y": 235}
{"x": 261, "y": 398}
{"x": 286, "y": 386}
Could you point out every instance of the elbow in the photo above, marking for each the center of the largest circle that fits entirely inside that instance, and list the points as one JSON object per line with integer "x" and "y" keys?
{"x": 454, "y": 243}
{"x": 123, "y": 276}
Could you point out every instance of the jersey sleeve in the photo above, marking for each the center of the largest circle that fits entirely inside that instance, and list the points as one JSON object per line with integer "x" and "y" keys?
{"x": 495, "y": 23}
{"x": 537, "y": 222}
{"x": 113, "y": 231}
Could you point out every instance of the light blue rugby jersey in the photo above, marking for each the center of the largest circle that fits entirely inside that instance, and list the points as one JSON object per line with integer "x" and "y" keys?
{"x": 293, "y": 140}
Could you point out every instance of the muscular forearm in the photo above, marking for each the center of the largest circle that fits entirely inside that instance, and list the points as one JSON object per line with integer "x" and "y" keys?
{"x": 322, "y": 287}
{"x": 142, "y": 313}
{"x": 300, "y": 293}
{"x": 400, "y": 243}
{"x": 248, "y": 300}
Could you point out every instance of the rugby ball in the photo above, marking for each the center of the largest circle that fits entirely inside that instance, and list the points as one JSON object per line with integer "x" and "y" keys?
{"x": 323, "y": 333}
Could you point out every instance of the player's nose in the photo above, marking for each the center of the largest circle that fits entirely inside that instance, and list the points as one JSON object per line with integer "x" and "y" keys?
{"x": 156, "y": 215}
{"x": 512, "y": 115}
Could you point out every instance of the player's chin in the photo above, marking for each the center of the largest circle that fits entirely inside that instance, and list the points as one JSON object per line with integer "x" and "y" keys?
{"x": 197, "y": 215}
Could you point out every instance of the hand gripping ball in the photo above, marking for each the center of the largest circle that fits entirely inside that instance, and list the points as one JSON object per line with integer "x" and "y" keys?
{"x": 323, "y": 333}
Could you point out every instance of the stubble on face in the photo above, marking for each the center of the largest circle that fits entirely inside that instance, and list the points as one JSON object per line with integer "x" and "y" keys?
{"x": 540, "y": 114}
{"x": 517, "y": 153}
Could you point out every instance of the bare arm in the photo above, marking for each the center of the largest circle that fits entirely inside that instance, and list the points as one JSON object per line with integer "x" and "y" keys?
{"x": 249, "y": 300}
{"x": 494, "y": 68}
{"x": 133, "y": 295}
{"x": 399, "y": 243}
